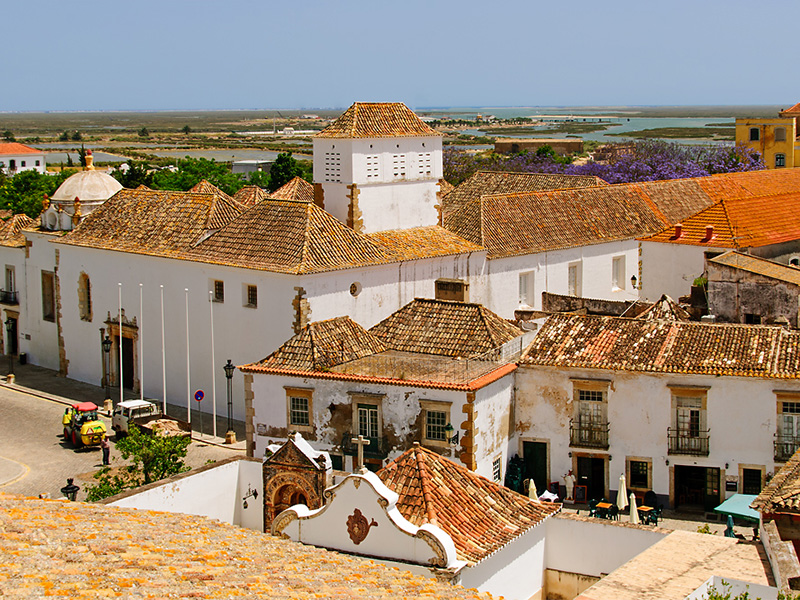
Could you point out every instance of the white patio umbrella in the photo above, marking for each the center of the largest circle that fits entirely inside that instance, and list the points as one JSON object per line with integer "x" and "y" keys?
{"x": 634, "y": 510}
{"x": 622, "y": 494}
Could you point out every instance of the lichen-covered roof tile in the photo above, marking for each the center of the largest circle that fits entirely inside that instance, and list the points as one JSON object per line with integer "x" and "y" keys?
{"x": 377, "y": 120}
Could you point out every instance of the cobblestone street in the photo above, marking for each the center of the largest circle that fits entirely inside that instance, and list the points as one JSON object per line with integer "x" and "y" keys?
{"x": 34, "y": 459}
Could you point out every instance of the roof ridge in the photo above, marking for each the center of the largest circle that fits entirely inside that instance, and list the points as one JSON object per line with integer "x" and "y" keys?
{"x": 653, "y": 206}
{"x": 424, "y": 477}
{"x": 734, "y": 230}
{"x": 305, "y": 250}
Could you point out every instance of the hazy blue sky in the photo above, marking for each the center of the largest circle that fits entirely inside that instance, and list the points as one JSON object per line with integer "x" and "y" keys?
{"x": 144, "y": 54}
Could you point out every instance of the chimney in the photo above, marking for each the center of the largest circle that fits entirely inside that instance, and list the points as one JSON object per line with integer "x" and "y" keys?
{"x": 709, "y": 234}
{"x": 678, "y": 231}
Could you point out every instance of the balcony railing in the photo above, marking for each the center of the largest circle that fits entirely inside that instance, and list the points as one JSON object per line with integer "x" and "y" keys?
{"x": 785, "y": 447}
{"x": 377, "y": 447}
{"x": 592, "y": 435}
{"x": 9, "y": 297}
{"x": 692, "y": 443}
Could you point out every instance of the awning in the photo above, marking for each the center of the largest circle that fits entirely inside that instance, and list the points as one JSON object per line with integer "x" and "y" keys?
{"x": 738, "y": 505}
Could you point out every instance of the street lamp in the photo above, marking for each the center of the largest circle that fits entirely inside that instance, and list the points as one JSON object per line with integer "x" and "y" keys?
{"x": 70, "y": 490}
{"x": 107, "y": 352}
{"x": 9, "y": 331}
{"x": 230, "y": 436}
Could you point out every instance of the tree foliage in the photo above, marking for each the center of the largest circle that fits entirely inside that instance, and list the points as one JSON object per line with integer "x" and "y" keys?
{"x": 191, "y": 171}
{"x": 137, "y": 174}
{"x": 24, "y": 192}
{"x": 646, "y": 160}
{"x": 9, "y": 136}
{"x": 153, "y": 457}
{"x": 284, "y": 169}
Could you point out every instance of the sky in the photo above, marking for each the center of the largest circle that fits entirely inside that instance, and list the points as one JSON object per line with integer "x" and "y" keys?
{"x": 238, "y": 54}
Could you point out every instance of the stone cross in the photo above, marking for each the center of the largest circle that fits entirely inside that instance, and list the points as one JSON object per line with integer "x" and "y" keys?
{"x": 360, "y": 441}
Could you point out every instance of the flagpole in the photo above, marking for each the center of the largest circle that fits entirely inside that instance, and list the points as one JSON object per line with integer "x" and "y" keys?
{"x": 188, "y": 373}
{"x": 213, "y": 368}
{"x": 121, "y": 396}
{"x": 163, "y": 357}
{"x": 141, "y": 343}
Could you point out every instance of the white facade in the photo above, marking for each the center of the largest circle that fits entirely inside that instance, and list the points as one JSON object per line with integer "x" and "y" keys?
{"x": 396, "y": 180}
{"x": 671, "y": 269}
{"x": 588, "y": 271}
{"x": 401, "y": 416}
{"x": 14, "y": 163}
{"x": 739, "y": 413}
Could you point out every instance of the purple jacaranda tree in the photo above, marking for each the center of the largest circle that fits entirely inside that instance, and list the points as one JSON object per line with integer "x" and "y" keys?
{"x": 647, "y": 160}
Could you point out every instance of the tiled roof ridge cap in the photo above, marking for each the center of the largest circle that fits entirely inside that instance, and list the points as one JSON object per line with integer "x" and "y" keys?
{"x": 677, "y": 323}
{"x": 448, "y": 302}
{"x": 424, "y": 479}
{"x": 305, "y": 250}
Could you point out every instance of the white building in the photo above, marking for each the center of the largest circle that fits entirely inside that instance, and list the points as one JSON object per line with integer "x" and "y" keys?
{"x": 434, "y": 372}
{"x": 692, "y": 411}
{"x": 16, "y": 157}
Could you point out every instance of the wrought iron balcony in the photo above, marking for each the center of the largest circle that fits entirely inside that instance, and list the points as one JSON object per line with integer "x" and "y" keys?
{"x": 689, "y": 442}
{"x": 592, "y": 435}
{"x": 9, "y": 297}
{"x": 377, "y": 447}
{"x": 785, "y": 447}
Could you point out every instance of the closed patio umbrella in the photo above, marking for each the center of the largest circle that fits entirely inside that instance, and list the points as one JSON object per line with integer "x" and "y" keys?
{"x": 532, "y": 493}
{"x": 622, "y": 494}
{"x": 634, "y": 510}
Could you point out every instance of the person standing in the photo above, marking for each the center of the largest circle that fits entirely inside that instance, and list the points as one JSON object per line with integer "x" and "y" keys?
{"x": 106, "y": 446}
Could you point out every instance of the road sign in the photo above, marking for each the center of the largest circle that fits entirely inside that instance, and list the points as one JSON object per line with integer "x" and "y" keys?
{"x": 199, "y": 395}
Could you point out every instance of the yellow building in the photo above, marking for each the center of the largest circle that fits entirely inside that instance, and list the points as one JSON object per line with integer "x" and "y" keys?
{"x": 775, "y": 139}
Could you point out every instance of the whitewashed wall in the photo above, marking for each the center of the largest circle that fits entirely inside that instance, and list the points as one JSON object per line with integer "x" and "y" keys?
{"x": 670, "y": 269}
{"x": 385, "y": 288}
{"x": 516, "y": 571}
{"x": 550, "y": 273}
{"x": 386, "y": 202}
{"x": 28, "y": 159}
{"x": 14, "y": 258}
{"x": 400, "y": 408}
{"x": 594, "y": 547}
{"x": 493, "y": 421}
{"x": 42, "y": 347}
{"x": 214, "y": 492}
{"x": 741, "y": 415}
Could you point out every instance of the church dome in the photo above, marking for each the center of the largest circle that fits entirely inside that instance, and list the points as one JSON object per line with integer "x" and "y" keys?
{"x": 89, "y": 186}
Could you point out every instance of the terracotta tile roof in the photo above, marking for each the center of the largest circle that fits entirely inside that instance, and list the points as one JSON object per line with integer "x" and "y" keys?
{"x": 11, "y": 230}
{"x": 17, "y": 148}
{"x": 323, "y": 344}
{"x": 481, "y": 516}
{"x": 225, "y": 209}
{"x": 444, "y": 328}
{"x": 746, "y": 222}
{"x": 377, "y": 120}
{"x": 158, "y": 222}
{"x": 525, "y": 223}
{"x": 423, "y": 242}
{"x": 759, "y": 266}
{"x": 794, "y": 110}
{"x": 445, "y": 187}
{"x": 665, "y": 347}
{"x": 782, "y": 493}
{"x": 665, "y": 309}
{"x": 250, "y": 195}
{"x": 674, "y": 199}
{"x": 750, "y": 183}
{"x": 489, "y": 183}
{"x": 298, "y": 190}
{"x": 290, "y": 237}
{"x": 427, "y": 343}
{"x": 70, "y": 549}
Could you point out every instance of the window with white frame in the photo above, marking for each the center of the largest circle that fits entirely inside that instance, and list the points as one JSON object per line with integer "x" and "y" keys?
{"x": 299, "y": 414}
{"x": 689, "y": 430}
{"x": 618, "y": 273}
{"x": 589, "y": 427}
{"x": 435, "y": 418}
{"x": 367, "y": 415}
{"x": 527, "y": 291}
{"x": 497, "y": 468}
{"x": 574, "y": 279}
